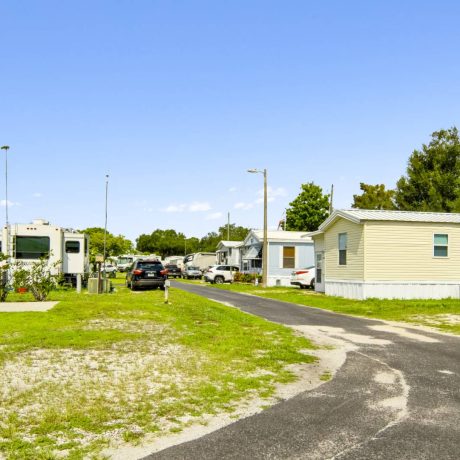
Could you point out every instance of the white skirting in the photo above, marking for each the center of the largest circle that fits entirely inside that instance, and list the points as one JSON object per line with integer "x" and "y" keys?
{"x": 278, "y": 280}
{"x": 354, "y": 289}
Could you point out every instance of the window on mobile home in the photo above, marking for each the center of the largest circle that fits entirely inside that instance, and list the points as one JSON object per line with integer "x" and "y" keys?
{"x": 72, "y": 247}
{"x": 32, "y": 247}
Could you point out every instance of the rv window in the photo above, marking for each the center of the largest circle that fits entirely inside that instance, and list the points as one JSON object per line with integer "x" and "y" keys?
{"x": 72, "y": 247}
{"x": 32, "y": 247}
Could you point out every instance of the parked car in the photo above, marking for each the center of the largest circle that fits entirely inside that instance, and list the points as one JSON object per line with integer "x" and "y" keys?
{"x": 173, "y": 271}
{"x": 146, "y": 273}
{"x": 220, "y": 273}
{"x": 305, "y": 277}
{"x": 191, "y": 273}
{"x": 110, "y": 269}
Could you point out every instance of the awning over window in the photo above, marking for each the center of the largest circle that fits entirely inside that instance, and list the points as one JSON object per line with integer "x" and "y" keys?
{"x": 253, "y": 253}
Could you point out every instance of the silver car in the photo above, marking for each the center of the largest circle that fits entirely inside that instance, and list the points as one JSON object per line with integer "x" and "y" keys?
{"x": 191, "y": 273}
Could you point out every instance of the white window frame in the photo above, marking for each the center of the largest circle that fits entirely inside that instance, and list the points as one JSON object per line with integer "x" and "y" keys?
{"x": 440, "y": 245}
{"x": 344, "y": 249}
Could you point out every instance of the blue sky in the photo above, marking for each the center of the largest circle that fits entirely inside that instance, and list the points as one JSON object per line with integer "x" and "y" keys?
{"x": 175, "y": 100}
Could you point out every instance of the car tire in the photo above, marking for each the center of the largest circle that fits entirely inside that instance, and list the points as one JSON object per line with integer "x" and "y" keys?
{"x": 219, "y": 280}
{"x": 312, "y": 284}
{"x": 128, "y": 285}
{"x": 133, "y": 287}
{"x": 162, "y": 288}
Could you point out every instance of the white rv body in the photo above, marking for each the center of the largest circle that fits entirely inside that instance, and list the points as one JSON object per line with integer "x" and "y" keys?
{"x": 202, "y": 260}
{"x": 67, "y": 249}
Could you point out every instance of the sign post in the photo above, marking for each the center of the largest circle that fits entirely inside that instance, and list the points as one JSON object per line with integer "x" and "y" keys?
{"x": 167, "y": 285}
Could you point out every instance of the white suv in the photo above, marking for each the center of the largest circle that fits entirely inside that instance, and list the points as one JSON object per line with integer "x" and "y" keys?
{"x": 221, "y": 273}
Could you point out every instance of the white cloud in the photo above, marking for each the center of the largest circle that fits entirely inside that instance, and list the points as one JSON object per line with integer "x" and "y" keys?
{"x": 272, "y": 194}
{"x": 175, "y": 208}
{"x": 214, "y": 215}
{"x": 232, "y": 189}
{"x": 37, "y": 195}
{"x": 242, "y": 205}
{"x": 197, "y": 206}
{"x": 10, "y": 203}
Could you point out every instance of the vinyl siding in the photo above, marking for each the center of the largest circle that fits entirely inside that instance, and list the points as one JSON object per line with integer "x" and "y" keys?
{"x": 397, "y": 251}
{"x": 354, "y": 269}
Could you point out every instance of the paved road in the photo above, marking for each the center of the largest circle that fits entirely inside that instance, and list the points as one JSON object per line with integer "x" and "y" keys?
{"x": 397, "y": 396}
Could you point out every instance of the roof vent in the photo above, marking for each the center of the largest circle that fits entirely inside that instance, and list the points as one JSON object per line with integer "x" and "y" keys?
{"x": 40, "y": 222}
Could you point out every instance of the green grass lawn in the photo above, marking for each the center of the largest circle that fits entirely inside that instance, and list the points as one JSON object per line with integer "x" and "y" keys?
{"x": 97, "y": 370}
{"x": 442, "y": 314}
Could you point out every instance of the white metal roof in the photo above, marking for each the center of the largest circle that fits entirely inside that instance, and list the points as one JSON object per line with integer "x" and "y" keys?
{"x": 230, "y": 244}
{"x": 281, "y": 235}
{"x": 361, "y": 215}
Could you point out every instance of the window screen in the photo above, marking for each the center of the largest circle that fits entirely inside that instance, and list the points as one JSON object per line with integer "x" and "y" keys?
{"x": 342, "y": 249}
{"x": 32, "y": 247}
{"x": 72, "y": 247}
{"x": 288, "y": 257}
{"x": 441, "y": 244}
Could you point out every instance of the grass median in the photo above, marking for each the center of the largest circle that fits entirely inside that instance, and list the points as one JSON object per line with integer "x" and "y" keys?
{"x": 100, "y": 370}
{"x": 441, "y": 314}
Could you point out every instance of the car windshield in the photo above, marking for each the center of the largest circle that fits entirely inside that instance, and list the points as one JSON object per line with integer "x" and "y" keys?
{"x": 193, "y": 268}
{"x": 150, "y": 266}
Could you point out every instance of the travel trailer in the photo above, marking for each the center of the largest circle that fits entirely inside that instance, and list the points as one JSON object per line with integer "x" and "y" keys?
{"x": 202, "y": 260}
{"x": 65, "y": 247}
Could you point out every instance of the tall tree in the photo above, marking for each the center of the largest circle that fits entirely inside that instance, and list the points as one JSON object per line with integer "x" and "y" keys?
{"x": 374, "y": 197}
{"x": 308, "y": 210}
{"x": 115, "y": 245}
{"x": 432, "y": 182}
{"x": 237, "y": 233}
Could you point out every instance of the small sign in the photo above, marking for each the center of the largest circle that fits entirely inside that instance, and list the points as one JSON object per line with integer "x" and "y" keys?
{"x": 168, "y": 283}
{"x": 99, "y": 258}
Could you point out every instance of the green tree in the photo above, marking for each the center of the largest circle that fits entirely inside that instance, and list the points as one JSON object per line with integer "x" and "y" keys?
{"x": 308, "y": 210}
{"x": 162, "y": 242}
{"x": 115, "y": 245}
{"x": 374, "y": 197}
{"x": 432, "y": 181}
{"x": 237, "y": 233}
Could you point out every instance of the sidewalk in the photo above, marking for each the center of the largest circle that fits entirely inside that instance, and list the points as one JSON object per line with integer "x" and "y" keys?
{"x": 12, "y": 307}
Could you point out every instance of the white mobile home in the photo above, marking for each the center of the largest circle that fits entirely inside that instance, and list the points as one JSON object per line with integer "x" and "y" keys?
{"x": 388, "y": 254}
{"x": 30, "y": 242}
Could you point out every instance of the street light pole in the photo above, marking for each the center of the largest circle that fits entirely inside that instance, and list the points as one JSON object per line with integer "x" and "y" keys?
{"x": 265, "y": 237}
{"x": 7, "y": 245}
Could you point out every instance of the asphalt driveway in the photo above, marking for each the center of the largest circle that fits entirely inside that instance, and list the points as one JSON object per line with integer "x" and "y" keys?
{"x": 397, "y": 396}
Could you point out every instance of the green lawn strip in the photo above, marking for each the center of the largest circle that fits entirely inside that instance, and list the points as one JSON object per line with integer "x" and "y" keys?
{"x": 433, "y": 313}
{"x": 125, "y": 364}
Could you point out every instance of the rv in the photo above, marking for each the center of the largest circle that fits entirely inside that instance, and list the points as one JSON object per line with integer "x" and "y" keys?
{"x": 202, "y": 260}
{"x": 67, "y": 250}
{"x": 125, "y": 261}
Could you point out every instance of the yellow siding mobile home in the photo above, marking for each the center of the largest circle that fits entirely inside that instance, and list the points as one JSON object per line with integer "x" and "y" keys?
{"x": 389, "y": 254}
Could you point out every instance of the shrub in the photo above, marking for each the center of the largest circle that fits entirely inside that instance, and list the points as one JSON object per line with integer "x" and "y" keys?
{"x": 4, "y": 284}
{"x": 241, "y": 277}
{"x": 36, "y": 278}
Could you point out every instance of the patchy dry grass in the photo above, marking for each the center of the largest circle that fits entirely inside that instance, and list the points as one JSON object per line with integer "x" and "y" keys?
{"x": 100, "y": 371}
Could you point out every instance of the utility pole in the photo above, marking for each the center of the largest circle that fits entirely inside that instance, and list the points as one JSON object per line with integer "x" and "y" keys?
{"x": 331, "y": 207}
{"x": 105, "y": 230}
{"x": 7, "y": 245}
{"x": 228, "y": 227}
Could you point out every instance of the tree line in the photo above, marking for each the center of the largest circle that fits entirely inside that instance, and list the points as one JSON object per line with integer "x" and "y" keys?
{"x": 163, "y": 243}
{"x": 431, "y": 183}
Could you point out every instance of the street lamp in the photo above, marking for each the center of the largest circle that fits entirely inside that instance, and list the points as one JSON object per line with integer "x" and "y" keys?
{"x": 105, "y": 230}
{"x": 265, "y": 241}
{"x": 6, "y": 148}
